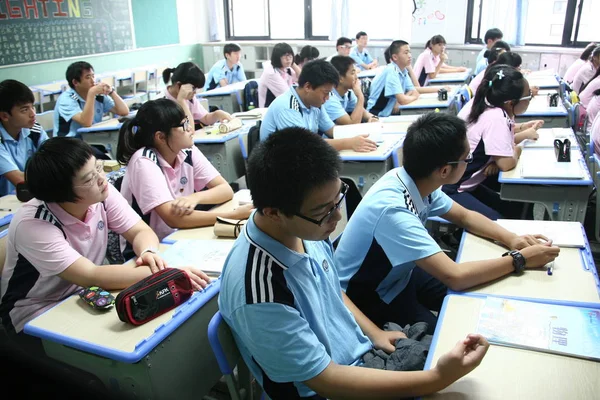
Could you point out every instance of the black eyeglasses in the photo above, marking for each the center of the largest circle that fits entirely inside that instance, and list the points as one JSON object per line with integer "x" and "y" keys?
{"x": 526, "y": 98}
{"x": 467, "y": 160}
{"x": 343, "y": 192}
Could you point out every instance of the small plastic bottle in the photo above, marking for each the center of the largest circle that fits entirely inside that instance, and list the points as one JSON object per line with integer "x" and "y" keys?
{"x": 251, "y": 106}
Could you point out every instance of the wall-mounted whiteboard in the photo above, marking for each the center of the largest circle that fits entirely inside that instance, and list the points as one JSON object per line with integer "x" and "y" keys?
{"x": 439, "y": 17}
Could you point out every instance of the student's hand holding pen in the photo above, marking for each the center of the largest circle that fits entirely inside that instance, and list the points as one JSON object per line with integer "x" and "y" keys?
{"x": 540, "y": 254}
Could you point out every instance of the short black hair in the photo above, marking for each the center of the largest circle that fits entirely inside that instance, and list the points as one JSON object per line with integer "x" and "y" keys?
{"x": 342, "y": 41}
{"x": 14, "y": 93}
{"x": 492, "y": 54}
{"x": 50, "y": 171}
{"x": 393, "y": 48}
{"x": 231, "y": 48}
{"x": 432, "y": 141}
{"x": 510, "y": 58}
{"x": 307, "y": 53}
{"x": 437, "y": 39}
{"x": 280, "y": 50}
{"x": 493, "y": 34}
{"x": 318, "y": 73}
{"x": 361, "y": 34}
{"x": 507, "y": 84}
{"x": 342, "y": 64}
{"x": 285, "y": 167}
{"x": 75, "y": 70}
{"x": 187, "y": 72}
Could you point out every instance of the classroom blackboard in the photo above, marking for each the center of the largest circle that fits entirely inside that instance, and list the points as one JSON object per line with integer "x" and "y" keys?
{"x": 36, "y": 30}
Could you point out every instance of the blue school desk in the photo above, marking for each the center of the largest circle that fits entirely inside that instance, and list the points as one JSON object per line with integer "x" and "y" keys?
{"x": 542, "y": 80}
{"x": 452, "y": 77}
{"x": 505, "y": 372}
{"x": 364, "y": 169}
{"x": 574, "y": 279}
{"x": 539, "y": 109}
{"x": 228, "y": 98}
{"x": 52, "y": 89}
{"x": 370, "y": 73}
{"x": 428, "y": 102}
{"x": 105, "y": 133}
{"x": 563, "y": 199}
{"x": 166, "y": 356}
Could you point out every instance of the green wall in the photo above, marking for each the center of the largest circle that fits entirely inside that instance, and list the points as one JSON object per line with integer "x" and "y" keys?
{"x": 48, "y": 71}
{"x": 155, "y": 22}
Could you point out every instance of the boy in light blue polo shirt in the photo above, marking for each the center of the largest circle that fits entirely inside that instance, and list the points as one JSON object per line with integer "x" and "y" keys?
{"x": 386, "y": 239}
{"x": 85, "y": 102}
{"x": 226, "y": 71}
{"x": 490, "y": 38}
{"x": 360, "y": 54}
{"x": 346, "y": 104}
{"x": 393, "y": 86}
{"x": 302, "y": 106}
{"x": 20, "y": 135}
{"x": 297, "y": 331}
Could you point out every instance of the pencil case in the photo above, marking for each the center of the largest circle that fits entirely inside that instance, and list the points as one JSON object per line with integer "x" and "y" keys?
{"x": 229, "y": 126}
{"x": 153, "y": 296}
{"x": 562, "y": 150}
{"x": 225, "y": 227}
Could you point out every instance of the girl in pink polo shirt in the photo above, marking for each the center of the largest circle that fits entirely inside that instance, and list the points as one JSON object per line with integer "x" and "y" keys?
{"x": 167, "y": 176}
{"x": 432, "y": 61}
{"x": 587, "y": 71}
{"x": 492, "y": 56}
{"x": 503, "y": 93}
{"x": 587, "y": 91}
{"x": 57, "y": 242}
{"x": 593, "y": 109}
{"x": 580, "y": 62}
{"x": 595, "y": 134}
{"x": 185, "y": 79}
{"x": 278, "y": 75}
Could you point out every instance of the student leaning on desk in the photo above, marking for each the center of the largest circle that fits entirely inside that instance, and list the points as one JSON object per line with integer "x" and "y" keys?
{"x": 57, "y": 241}
{"x": 297, "y": 331}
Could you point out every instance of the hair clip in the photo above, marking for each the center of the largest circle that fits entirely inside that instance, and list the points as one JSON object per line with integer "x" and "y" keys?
{"x": 490, "y": 83}
{"x": 134, "y": 129}
{"x": 500, "y": 74}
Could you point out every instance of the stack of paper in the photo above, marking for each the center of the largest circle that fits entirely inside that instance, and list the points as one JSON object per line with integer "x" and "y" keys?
{"x": 373, "y": 129}
{"x": 256, "y": 113}
{"x": 562, "y": 233}
{"x": 533, "y": 169}
{"x": 207, "y": 255}
{"x": 243, "y": 197}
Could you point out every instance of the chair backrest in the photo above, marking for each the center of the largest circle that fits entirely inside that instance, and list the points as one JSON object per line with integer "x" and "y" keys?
{"x": 3, "y": 236}
{"x": 108, "y": 79}
{"x": 253, "y": 137}
{"x": 37, "y": 100}
{"x": 250, "y": 95}
{"x": 226, "y": 351}
{"x": 46, "y": 120}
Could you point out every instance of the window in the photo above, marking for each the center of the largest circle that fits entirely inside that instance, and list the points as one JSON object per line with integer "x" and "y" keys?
{"x": 239, "y": 25}
{"x": 544, "y": 22}
{"x": 360, "y": 18}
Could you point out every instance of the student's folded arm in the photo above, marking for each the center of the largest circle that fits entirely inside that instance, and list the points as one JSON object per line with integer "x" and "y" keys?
{"x": 223, "y": 82}
{"x": 506, "y": 163}
{"x": 120, "y": 107}
{"x": 84, "y": 272}
{"x": 141, "y": 236}
{"x": 86, "y": 117}
{"x": 345, "y": 120}
{"x": 218, "y": 191}
{"x": 405, "y": 99}
{"x": 197, "y": 219}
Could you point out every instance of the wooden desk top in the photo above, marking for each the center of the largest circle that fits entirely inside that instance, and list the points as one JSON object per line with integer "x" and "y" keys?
{"x": 508, "y": 373}
{"x": 544, "y": 155}
{"x": 570, "y": 280}
{"x": 383, "y": 151}
{"x": 206, "y": 232}
{"x": 9, "y": 202}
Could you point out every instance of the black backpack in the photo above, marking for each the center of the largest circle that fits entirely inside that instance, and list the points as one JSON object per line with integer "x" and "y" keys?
{"x": 250, "y": 94}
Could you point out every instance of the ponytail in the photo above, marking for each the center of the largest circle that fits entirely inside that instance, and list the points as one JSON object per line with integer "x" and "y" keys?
{"x": 585, "y": 55}
{"x": 428, "y": 44}
{"x": 166, "y": 75}
{"x": 187, "y": 72}
{"x": 500, "y": 83}
{"x": 297, "y": 59}
{"x": 126, "y": 145}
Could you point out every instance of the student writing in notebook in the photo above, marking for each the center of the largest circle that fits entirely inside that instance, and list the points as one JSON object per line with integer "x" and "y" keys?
{"x": 227, "y": 71}
{"x": 393, "y": 87}
{"x": 167, "y": 176}
{"x": 432, "y": 61}
{"x": 280, "y": 284}
{"x": 278, "y": 74}
{"x": 346, "y": 104}
{"x": 20, "y": 134}
{"x": 302, "y": 106}
{"x": 492, "y": 134}
{"x": 360, "y": 54}
{"x": 389, "y": 265}
{"x": 184, "y": 81}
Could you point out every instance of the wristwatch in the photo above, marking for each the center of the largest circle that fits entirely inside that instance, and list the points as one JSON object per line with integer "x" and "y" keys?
{"x": 112, "y": 89}
{"x": 152, "y": 250}
{"x": 518, "y": 260}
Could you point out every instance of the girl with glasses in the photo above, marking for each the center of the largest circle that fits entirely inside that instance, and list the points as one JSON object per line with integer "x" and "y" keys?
{"x": 278, "y": 75}
{"x": 167, "y": 176}
{"x": 492, "y": 134}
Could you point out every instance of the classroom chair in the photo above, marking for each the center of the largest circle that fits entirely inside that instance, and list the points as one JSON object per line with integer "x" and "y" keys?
{"x": 228, "y": 357}
{"x": 37, "y": 100}
{"x": 463, "y": 95}
{"x": 3, "y": 235}
{"x": 46, "y": 120}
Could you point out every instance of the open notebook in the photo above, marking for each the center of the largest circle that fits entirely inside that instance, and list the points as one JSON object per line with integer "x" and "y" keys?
{"x": 550, "y": 328}
{"x": 562, "y": 233}
{"x": 373, "y": 129}
{"x": 535, "y": 169}
{"x": 208, "y": 255}
{"x": 547, "y": 136}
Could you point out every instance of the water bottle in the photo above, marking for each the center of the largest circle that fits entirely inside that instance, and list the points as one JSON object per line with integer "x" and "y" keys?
{"x": 251, "y": 106}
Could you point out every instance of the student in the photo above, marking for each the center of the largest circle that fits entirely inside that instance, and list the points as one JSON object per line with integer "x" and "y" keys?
{"x": 85, "y": 102}
{"x": 346, "y": 101}
{"x": 386, "y": 239}
{"x": 587, "y": 71}
{"x": 587, "y": 90}
{"x": 491, "y": 56}
{"x": 393, "y": 86}
{"x": 580, "y": 62}
{"x": 432, "y": 61}
{"x": 307, "y": 53}
{"x": 343, "y": 47}
{"x": 297, "y": 331}
{"x": 491, "y": 37}
{"x": 593, "y": 108}
{"x": 492, "y": 134}
{"x": 57, "y": 242}
{"x": 185, "y": 79}
{"x": 20, "y": 134}
{"x": 226, "y": 71}
{"x": 361, "y": 55}
{"x": 167, "y": 176}
{"x": 302, "y": 106}
{"x": 278, "y": 75}
{"x": 595, "y": 132}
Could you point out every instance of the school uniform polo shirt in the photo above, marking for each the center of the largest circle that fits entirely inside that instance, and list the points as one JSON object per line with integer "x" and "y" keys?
{"x": 197, "y": 110}
{"x": 43, "y": 241}
{"x": 15, "y": 153}
{"x": 384, "y": 88}
{"x": 592, "y": 109}
{"x": 586, "y": 95}
{"x": 595, "y": 134}
{"x": 475, "y": 82}
{"x": 273, "y": 83}
{"x": 69, "y": 104}
{"x": 426, "y": 64}
{"x": 361, "y": 58}
{"x": 481, "y": 62}
{"x": 337, "y": 106}
{"x": 151, "y": 181}
{"x": 221, "y": 71}
{"x": 286, "y": 312}
{"x": 573, "y": 69}
{"x": 492, "y": 135}
{"x": 386, "y": 235}
{"x": 288, "y": 111}
{"x": 585, "y": 73}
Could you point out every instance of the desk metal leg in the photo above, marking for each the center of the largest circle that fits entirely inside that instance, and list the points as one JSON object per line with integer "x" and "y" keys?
{"x": 225, "y": 157}
{"x": 183, "y": 364}
{"x": 109, "y": 139}
{"x": 563, "y": 203}
{"x": 365, "y": 173}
